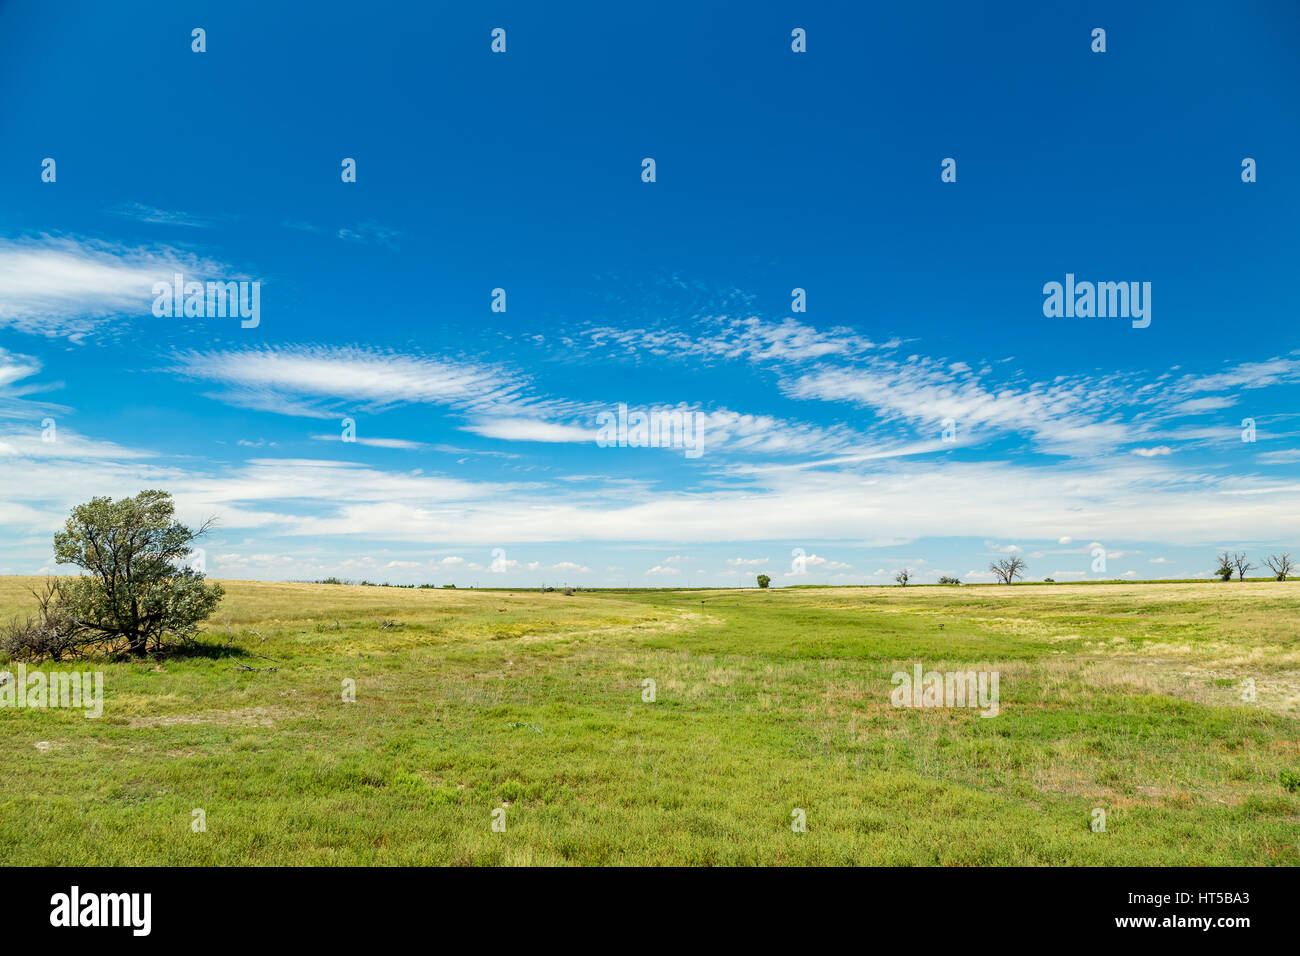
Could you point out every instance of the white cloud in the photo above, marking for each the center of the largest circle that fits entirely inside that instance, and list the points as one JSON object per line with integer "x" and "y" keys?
{"x": 570, "y": 566}
{"x": 163, "y": 217}
{"x": 530, "y": 429}
{"x": 751, "y": 339}
{"x": 399, "y": 443}
{"x": 1280, "y": 457}
{"x": 67, "y": 287}
{"x": 314, "y": 380}
{"x": 370, "y": 232}
{"x": 817, "y": 561}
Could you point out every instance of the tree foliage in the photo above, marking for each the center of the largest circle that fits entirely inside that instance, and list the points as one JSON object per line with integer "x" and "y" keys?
{"x": 1224, "y": 568}
{"x": 134, "y": 597}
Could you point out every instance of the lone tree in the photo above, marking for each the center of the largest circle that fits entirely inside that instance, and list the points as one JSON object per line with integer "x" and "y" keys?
{"x": 1280, "y": 565}
{"x": 135, "y": 595}
{"x": 1008, "y": 569}
{"x": 903, "y": 576}
{"x": 1224, "y": 569}
{"x": 1242, "y": 565}
{"x": 764, "y": 580}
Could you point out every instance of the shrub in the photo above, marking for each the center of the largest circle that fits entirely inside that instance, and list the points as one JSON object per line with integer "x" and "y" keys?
{"x": 34, "y": 639}
{"x": 764, "y": 580}
{"x": 51, "y": 633}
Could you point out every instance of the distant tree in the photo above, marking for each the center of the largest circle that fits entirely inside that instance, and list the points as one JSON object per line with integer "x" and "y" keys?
{"x": 135, "y": 594}
{"x": 1008, "y": 569}
{"x": 948, "y": 580}
{"x": 1280, "y": 565}
{"x": 1224, "y": 569}
{"x": 903, "y": 576}
{"x": 764, "y": 580}
{"x": 1242, "y": 565}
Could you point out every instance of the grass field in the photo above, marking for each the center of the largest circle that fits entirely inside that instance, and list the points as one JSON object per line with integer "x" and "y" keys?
{"x": 1121, "y": 697}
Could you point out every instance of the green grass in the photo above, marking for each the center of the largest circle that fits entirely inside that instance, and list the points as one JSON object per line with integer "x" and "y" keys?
{"x": 1125, "y": 697}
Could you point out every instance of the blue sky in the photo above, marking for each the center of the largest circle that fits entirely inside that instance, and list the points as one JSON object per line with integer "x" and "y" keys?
{"x": 822, "y": 430}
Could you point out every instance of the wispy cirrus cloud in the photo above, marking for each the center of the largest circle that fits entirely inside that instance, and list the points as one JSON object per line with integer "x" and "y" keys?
{"x": 370, "y": 232}
{"x": 161, "y": 217}
{"x": 398, "y": 443}
{"x": 728, "y": 338}
{"x": 495, "y": 401}
{"x": 16, "y": 392}
{"x": 1078, "y": 415}
{"x": 68, "y": 287}
{"x": 318, "y": 381}
{"x": 14, "y": 367}
{"x": 531, "y": 429}
{"x": 1064, "y": 416}
{"x": 1281, "y": 370}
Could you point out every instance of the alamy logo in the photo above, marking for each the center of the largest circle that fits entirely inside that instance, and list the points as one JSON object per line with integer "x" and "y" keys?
{"x": 949, "y": 689}
{"x": 657, "y": 428}
{"x": 1102, "y": 300}
{"x": 209, "y": 300}
{"x": 39, "y": 690}
{"x": 103, "y": 909}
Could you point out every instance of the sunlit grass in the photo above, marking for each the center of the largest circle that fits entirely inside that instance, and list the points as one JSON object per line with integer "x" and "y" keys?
{"x": 1126, "y": 698}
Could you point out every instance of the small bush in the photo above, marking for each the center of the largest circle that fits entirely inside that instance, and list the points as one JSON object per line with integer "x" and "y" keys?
{"x": 34, "y": 640}
{"x": 52, "y": 633}
{"x": 1291, "y": 781}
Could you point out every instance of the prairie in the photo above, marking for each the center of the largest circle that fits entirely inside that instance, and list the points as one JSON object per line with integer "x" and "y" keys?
{"x": 528, "y": 709}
